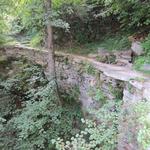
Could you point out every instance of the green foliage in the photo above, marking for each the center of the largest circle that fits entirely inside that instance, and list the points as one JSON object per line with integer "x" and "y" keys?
{"x": 98, "y": 135}
{"x": 146, "y": 45}
{"x": 97, "y": 95}
{"x": 38, "y": 117}
{"x": 116, "y": 91}
{"x": 131, "y": 13}
{"x": 145, "y": 59}
{"x": 2, "y": 30}
{"x": 36, "y": 40}
{"x": 85, "y": 20}
{"x": 2, "y": 40}
{"x": 32, "y": 20}
{"x": 70, "y": 94}
{"x": 5, "y": 10}
{"x": 115, "y": 43}
{"x": 59, "y": 3}
{"x": 89, "y": 69}
{"x": 109, "y": 43}
{"x": 143, "y": 117}
{"x": 2, "y": 120}
{"x": 139, "y": 62}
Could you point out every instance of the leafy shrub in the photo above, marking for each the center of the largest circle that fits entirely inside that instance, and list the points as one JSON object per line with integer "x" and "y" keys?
{"x": 139, "y": 62}
{"x": 146, "y": 45}
{"x": 132, "y": 14}
{"x": 100, "y": 134}
{"x": 115, "y": 43}
{"x": 36, "y": 40}
{"x": 89, "y": 69}
{"x": 97, "y": 95}
{"x": 2, "y": 40}
{"x": 2, "y": 30}
{"x": 38, "y": 118}
{"x": 143, "y": 118}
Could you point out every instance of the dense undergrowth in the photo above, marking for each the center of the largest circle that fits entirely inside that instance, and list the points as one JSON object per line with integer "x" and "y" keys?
{"x": 136, "y": 124}
{"x": 100, "y": 134}
{"x": 143, "y": 118}
{"x": 31, "y": 117}
{"x": 115, "y": 42}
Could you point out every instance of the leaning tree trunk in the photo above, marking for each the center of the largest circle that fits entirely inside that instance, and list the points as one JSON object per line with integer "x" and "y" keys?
{"x": 49, "y": 43}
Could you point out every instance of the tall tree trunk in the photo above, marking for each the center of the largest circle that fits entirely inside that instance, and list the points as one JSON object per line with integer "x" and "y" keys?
{"x": 49, "y": 43}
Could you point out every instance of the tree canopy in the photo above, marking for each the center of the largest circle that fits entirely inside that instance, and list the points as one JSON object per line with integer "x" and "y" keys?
{"x": 95, "y": 16}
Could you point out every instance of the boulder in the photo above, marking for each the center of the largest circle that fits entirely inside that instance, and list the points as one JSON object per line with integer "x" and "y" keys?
{"x": 137, "y": 48}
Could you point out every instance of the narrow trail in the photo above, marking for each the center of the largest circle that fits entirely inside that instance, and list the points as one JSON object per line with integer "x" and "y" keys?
{"x": 120, "y": 72}
{"x": 123, "y": 73}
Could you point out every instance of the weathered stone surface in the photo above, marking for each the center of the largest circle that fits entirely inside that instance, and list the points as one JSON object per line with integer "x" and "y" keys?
{"x": 123, "y": 58}
{"x": 137, "y": 48}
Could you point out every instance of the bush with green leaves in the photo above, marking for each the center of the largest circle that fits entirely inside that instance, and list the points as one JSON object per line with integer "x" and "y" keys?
{"x": 100, "y": 134}
{"x": 37, "y": 121}
{"x": 36, "y": 40}
{"x": 37, "y": 116}
{"x": 143, "y": 118}
{"x": 146, "y": 45}
{"x": 132, "y": 14}
{"x": 3, "y": 28}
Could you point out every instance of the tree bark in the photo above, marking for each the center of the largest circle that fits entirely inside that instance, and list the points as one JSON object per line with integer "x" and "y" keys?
{"x": 49, "y": 43}
{"x": 51, "y": 59}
